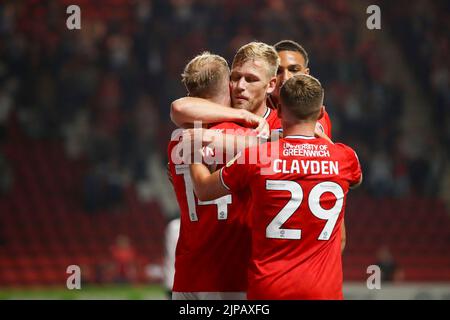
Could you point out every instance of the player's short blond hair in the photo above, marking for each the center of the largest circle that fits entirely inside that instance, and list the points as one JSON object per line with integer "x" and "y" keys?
{"x": 302, "y": 95}
{"x": 258, "y": 50}
{"x": 203, "y": 76}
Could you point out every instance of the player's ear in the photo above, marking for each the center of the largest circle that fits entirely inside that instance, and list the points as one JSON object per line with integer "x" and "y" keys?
{"x": 272, "y": 85}
{"x": 306, "y": 71}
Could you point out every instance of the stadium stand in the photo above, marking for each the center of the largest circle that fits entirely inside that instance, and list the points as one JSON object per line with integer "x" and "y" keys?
{"x": 44, "y": 227}
{"x": 85, "y": 119}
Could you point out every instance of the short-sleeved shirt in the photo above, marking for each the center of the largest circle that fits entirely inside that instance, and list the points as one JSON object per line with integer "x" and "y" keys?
{"x": 213, "y": 248}
{"x": 298, "y": 202}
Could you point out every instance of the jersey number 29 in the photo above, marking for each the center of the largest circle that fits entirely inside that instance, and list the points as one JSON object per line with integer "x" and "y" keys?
{"x": 274, "y": 229}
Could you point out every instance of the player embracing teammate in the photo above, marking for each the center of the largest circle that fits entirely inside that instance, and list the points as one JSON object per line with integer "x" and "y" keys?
{"x": 292, "y": 206}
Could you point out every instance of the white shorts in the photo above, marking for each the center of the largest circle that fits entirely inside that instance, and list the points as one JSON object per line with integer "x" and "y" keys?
{"x": 209, "y": 296}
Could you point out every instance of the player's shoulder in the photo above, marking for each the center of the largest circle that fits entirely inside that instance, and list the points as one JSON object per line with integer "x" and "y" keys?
{"x": 232, "y": 128}
{"x": 345, "y": 150}
{"x": 342, "y": 146}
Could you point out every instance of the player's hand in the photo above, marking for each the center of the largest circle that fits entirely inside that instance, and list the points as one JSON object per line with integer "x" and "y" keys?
{"x": 260, "y": 124}
{"x": 196, "y": 141}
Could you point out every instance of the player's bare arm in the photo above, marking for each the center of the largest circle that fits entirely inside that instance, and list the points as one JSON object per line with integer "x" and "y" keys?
{"x": 185, "y": 111}
{"x": 207, "y": 186}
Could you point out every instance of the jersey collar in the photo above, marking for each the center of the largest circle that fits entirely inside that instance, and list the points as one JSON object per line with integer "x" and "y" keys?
{"x": 299, "y": 137}
{"x": 267, "y": 113}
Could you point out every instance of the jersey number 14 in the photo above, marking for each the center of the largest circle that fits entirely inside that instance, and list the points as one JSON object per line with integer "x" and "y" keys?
{"x": 221, "y": 203}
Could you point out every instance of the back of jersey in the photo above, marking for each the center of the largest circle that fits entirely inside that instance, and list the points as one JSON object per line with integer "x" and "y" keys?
{"x": 213, "y": 249}
{"x": 296, "y": 221}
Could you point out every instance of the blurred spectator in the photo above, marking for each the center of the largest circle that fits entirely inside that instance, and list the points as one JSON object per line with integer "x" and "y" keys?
{"x": 380, "y": 175}
{"x": 6, "y": 105}
{"x": 390, "y": 271}
{"x": 106, "y": 88}
{"x": 170, "y": 245}
{"x": 445, "y": 192}
{"x": 104, "y": 187}
{"x": 400, "y": 175}
{"x": 6, "y": 176}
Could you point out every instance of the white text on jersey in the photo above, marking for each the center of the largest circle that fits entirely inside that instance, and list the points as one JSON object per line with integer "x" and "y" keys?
{"x": 305, "y": 150}
{"x": 306, "y": 167}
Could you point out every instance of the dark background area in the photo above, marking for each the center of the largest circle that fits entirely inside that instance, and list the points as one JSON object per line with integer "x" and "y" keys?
{"x": 84, "y": 127}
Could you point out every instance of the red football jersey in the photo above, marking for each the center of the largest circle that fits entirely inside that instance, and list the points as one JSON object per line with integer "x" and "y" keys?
{"x": 275, "y": 122}
{"x": 213, "y": 248}
{"x": 299, "y": 200}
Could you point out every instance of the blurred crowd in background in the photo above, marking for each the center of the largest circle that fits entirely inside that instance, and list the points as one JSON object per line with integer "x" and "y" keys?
{"x": 105, "y": 90}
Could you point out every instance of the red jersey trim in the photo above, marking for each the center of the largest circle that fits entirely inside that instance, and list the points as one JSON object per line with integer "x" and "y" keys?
{"x": 267, "y": 113}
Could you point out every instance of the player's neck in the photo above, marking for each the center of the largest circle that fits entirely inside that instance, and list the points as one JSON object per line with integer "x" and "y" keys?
{"x": 298, "y": 129}
{"x": 261, "y": 110}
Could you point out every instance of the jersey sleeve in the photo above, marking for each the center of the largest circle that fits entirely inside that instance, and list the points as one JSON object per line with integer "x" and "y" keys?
{"x": 236, "y": 174}
{"x": 353, "y": 170}
{"x": 325, "y": 124}
{"x": 228, "y": 129}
